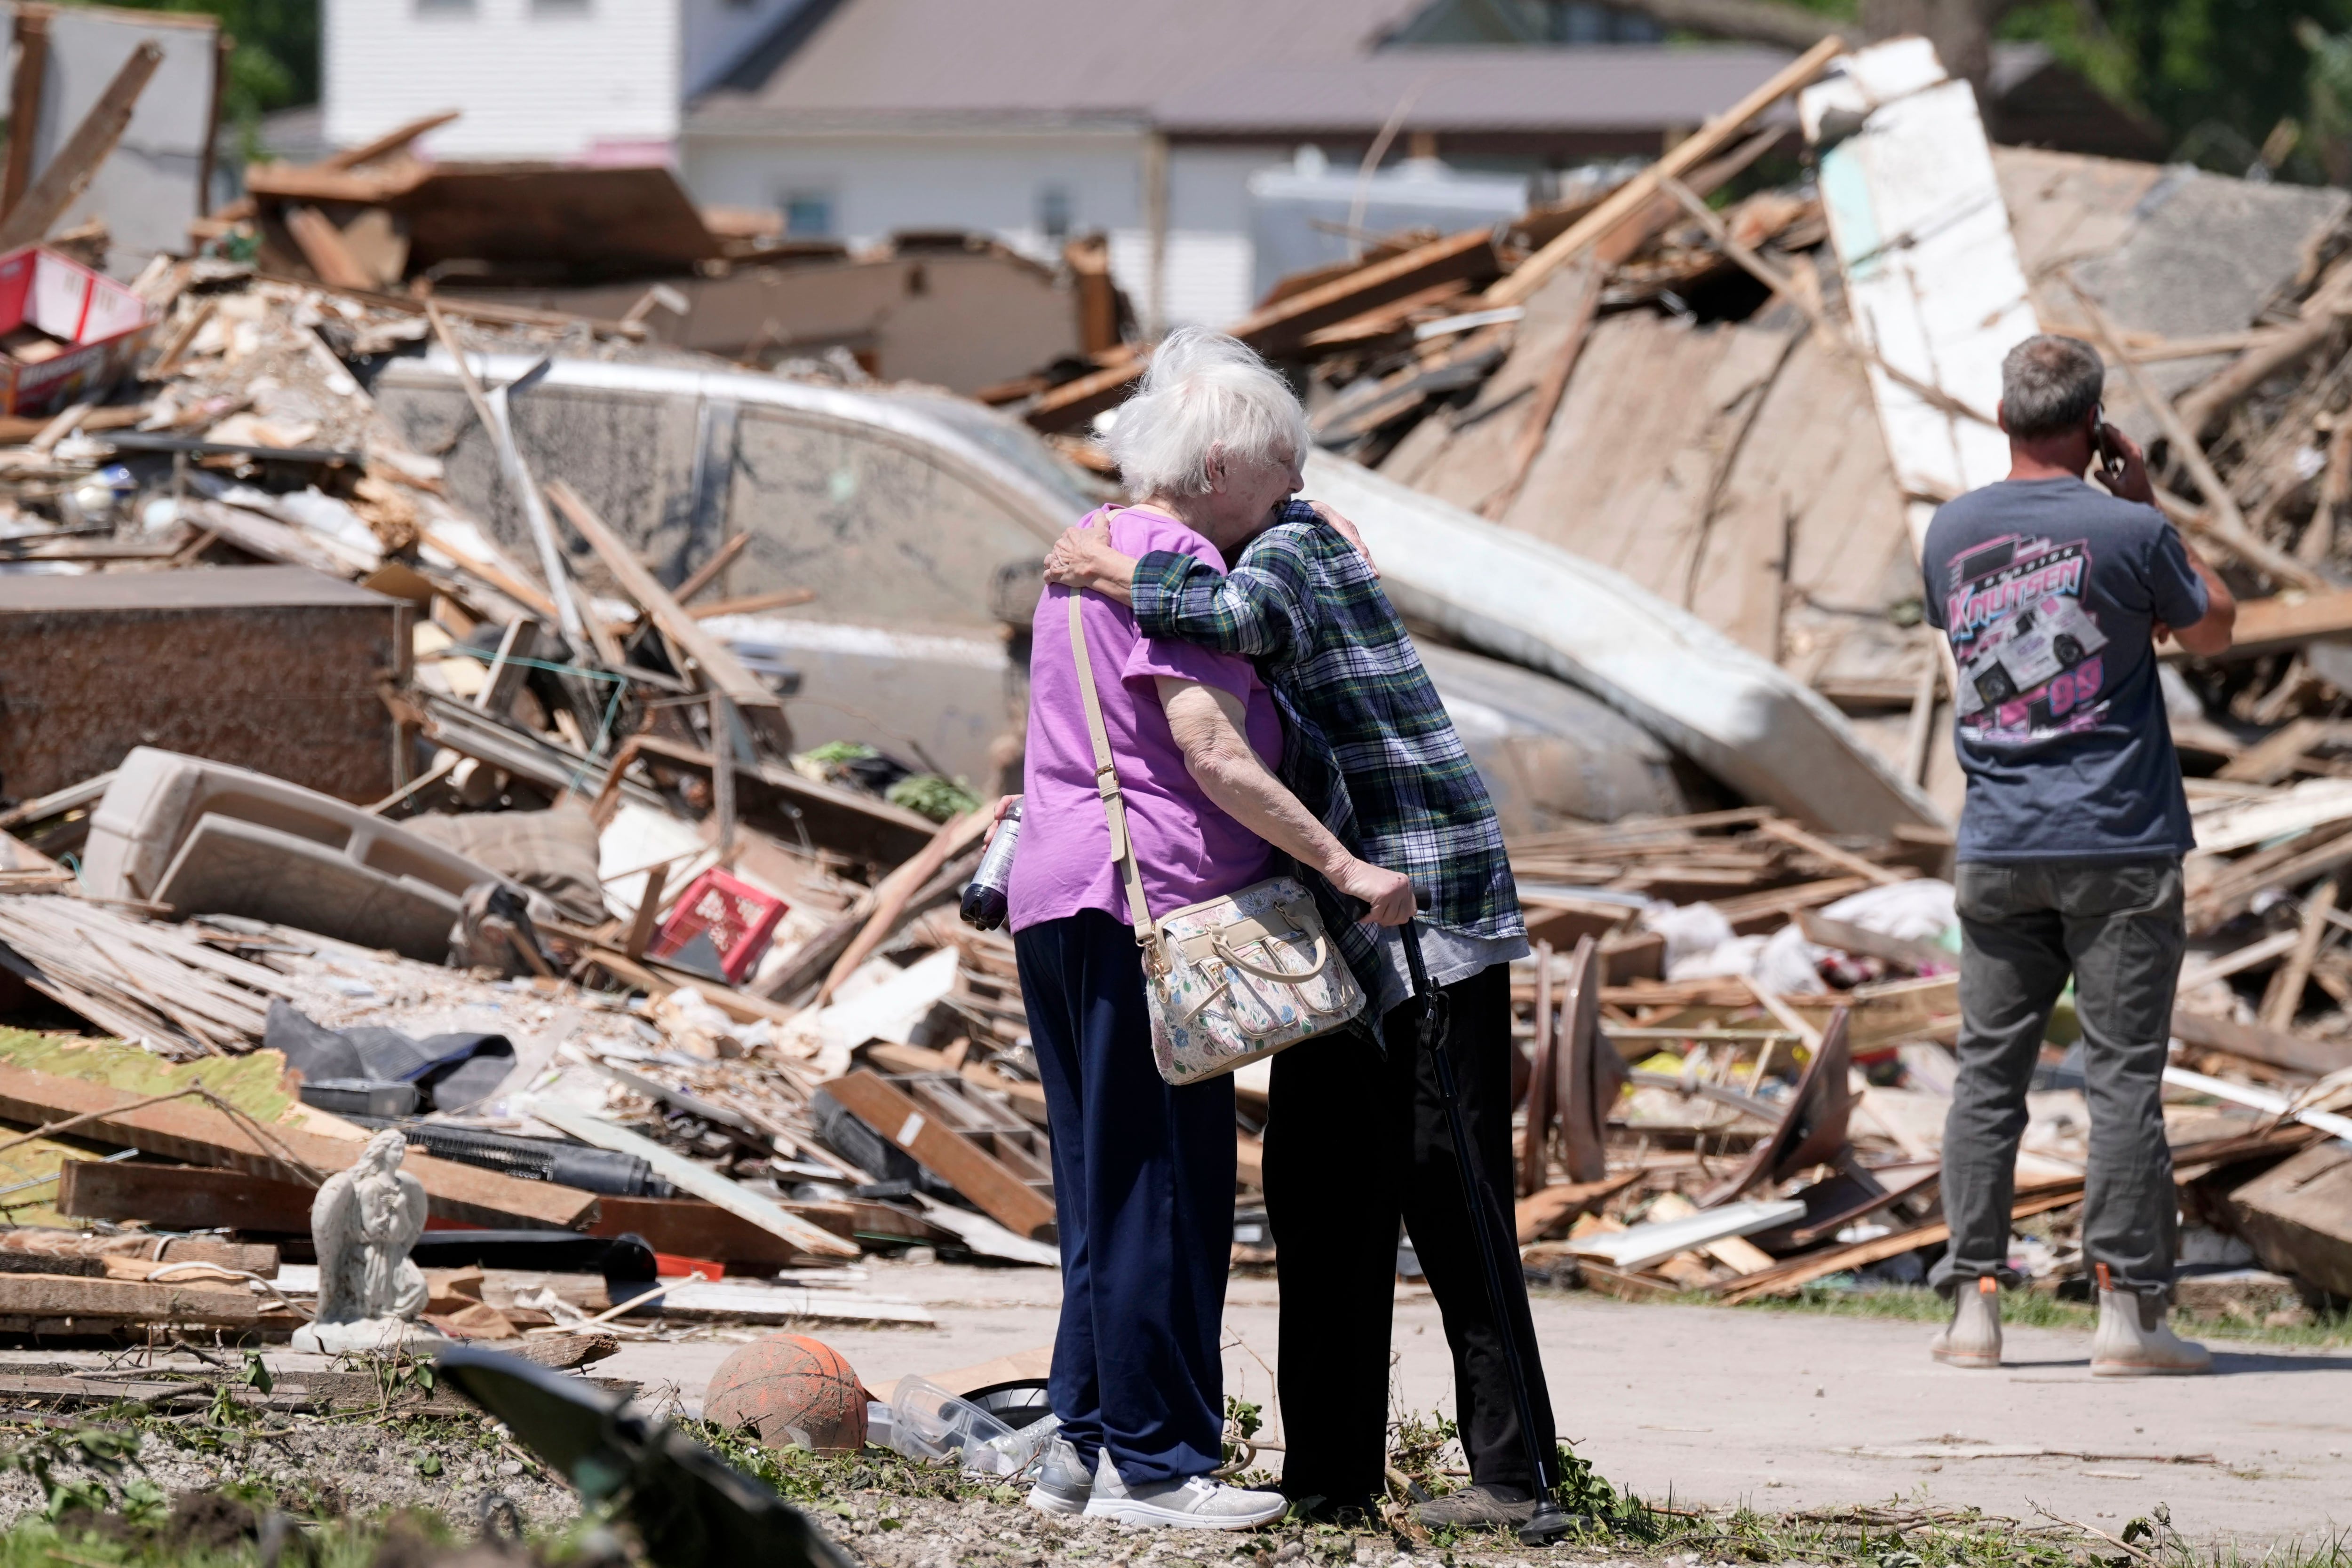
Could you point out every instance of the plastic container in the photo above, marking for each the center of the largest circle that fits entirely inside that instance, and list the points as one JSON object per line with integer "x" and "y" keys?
{"x": 737, "y": 917}
{"x": 927, "y": 1422}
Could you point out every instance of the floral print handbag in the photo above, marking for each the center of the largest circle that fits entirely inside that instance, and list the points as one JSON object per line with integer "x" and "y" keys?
{"x": 1232, "y": 978}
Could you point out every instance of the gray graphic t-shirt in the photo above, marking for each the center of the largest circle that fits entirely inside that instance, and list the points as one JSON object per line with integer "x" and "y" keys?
{"x": 2047, "y": 589}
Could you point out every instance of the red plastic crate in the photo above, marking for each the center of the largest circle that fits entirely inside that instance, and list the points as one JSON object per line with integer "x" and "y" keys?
{"x": 737, "y": 918}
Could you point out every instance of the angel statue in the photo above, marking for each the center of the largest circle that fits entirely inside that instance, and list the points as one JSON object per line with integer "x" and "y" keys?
{"x": 363, "y": 1222}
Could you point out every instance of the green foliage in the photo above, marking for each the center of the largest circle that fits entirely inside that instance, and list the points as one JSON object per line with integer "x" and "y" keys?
{"x": 834, "y": 753}
{"x": 276, "y": 62}
{"x": 929, "y": 795}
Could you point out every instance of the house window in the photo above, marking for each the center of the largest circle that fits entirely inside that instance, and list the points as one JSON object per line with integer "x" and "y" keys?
{"x": 808, "y": 214}
{"x": 1054, "y": 212}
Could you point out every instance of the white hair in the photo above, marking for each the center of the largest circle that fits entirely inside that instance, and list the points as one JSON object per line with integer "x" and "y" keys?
{"x": 1203, "y": 394}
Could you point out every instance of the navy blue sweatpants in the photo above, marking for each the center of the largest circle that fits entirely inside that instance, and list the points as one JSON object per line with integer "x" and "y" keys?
{"x": 1143, "y": 1194}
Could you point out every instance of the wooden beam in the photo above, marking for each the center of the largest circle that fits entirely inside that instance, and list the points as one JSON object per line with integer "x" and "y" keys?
{"x": 706, "y": 574}
{"x": 194, "y": 1132}
{"x": 1820, "y": 849}
{"x": 51, "y": 1300}
{"x": 753, "y": 603}
{"x": 2204, "y": 407}
{"x": 1632, "y": 195}
{"x": 720, "y": 666}
{"x": 184, "y": 1197}
{"x": 893, "y": 893}
{"x": 78, "y": 162}
{"x": 390, "y": 141}
{"x": 25, "y": 101}
{"x": 2224, "y": 522}
{"x": 2253, "y": 1042}
{"x": 945, "y": 1152}
{"x": 322, "y": 246}
{"x": 2283, "y": 997}
{"x": 2264, "y": 625}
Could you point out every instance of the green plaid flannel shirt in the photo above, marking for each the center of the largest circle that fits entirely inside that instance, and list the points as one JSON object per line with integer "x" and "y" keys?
{"x": 1368, "y": 746}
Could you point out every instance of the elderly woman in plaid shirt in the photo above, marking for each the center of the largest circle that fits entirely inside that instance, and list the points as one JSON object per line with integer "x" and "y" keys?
{"x": 1357, "y": 1136}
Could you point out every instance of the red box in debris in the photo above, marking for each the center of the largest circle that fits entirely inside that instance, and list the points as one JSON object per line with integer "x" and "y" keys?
{"x": 97, "y": 324}
{"x": 737, "y": 918}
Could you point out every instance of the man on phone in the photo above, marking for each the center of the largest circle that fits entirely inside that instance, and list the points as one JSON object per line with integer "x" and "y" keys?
{"x": 2055, "y": 594}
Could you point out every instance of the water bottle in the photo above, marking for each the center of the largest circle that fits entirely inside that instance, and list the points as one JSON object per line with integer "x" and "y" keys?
{"x": 983, "y": 896}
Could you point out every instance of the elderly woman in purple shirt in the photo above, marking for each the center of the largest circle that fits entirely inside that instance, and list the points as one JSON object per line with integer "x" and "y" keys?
{"x": 1144, "y": 1172}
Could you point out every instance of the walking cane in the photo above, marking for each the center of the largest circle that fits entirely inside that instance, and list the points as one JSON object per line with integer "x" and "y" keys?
{"x": 1547, "y": 1524}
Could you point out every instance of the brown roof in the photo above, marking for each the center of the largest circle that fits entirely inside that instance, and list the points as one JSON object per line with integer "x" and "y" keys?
{"x": 1204, "y": 67}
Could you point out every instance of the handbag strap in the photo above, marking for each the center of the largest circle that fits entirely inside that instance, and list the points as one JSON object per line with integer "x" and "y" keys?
{"x": 1114, "y": 802}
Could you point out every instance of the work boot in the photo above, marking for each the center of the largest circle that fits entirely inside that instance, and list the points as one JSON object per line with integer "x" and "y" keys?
{"x": 2133, "y": 1339}
{"x": 1063, "y": 1483}
{"x": 1484, "y": 1507}
{"x": 1194, "y": 1503}
{"x": 1972, "y": 1339}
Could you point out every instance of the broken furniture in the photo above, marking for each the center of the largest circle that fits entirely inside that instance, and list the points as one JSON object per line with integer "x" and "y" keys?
{"x": 202, "y": 838}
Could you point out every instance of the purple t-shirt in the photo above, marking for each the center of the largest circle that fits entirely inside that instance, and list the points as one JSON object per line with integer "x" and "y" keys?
{"x": 1186, "y": 847}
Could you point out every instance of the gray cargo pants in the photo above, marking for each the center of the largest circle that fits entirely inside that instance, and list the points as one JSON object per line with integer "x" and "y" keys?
{"x": 2116, "y": 926}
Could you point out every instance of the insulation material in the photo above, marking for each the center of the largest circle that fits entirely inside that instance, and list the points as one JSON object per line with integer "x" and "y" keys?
{"x": 1933, "y": 281}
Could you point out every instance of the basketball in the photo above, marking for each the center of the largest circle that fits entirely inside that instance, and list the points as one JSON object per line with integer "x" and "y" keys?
{"x": 791, "y": 1390}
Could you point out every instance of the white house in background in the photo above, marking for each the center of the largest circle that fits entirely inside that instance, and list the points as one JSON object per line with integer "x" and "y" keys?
{"x": 587, "y": 81}
{"x": 1030, "y": 120}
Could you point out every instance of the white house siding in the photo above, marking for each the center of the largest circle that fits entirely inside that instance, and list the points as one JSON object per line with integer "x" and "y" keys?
{"x": 564, "y": 79}
{"x": 874, "y": 187}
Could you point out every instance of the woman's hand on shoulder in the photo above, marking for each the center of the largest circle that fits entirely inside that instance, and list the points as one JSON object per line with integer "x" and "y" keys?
{"x": 1346, "y": 530}
{"x": 1083, "y": 558}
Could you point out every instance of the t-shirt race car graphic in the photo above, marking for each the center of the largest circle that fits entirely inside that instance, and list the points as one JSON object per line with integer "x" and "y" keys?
{"x": 2026, "y": 648}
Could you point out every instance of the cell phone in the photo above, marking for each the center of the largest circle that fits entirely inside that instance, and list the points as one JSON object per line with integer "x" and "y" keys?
{"x": 2110, "y": 455}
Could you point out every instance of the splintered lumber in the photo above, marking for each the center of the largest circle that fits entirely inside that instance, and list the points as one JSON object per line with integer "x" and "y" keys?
{"x": 194, "y": 1132}
{"x": 1285, "y": 323}
{"x": 1549, "y": 1208}
{"x": 184, "y": 1197}
{"x": 687, "y": 1177}
{"x": 1792, "y": 1274}
{"x": 944, "y": 1150}
{"x": 721, "y": 668}
{"x": 2264, "y": 624}
{"x": 2298, "y": 1216}
{"x": 691, "y": 1228}
{"x": 893, "y": 893}
{"x": 31, "y": 1244}
{"x": 322, "y": 246}
{"x": 77, "y": 162}
{"x": 390, "y": 141}
{"x": 1634, "y": 195}
{"x": 57, "y": 1304}
{"x": 2255, "y": 1042}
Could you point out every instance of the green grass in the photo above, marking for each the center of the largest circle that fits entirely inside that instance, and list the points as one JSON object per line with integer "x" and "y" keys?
{"x": 2037, "y": 1309}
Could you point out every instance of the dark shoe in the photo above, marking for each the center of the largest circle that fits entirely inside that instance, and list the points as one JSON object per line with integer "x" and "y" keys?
{"x": 1477, "y": 1508}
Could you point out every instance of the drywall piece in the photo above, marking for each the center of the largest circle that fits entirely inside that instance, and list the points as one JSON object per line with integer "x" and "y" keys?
{"x": 1646, "y": 1244}
{"x": 686, "y": 1176}
{"x": 1933, "y": 281}
{"x": 1742, "y": 718}
{"x": 208, "y": 839}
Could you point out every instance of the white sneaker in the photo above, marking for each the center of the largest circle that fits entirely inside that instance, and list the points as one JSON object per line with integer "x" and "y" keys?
{"x": 1195, "y": 1503}
{"x": 2133, "y": 1339}
{"x": 1063, "y": 1485}
{"x": 1972, "y": 1339}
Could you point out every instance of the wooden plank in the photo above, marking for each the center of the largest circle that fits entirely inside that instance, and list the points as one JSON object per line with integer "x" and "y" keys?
{"x": 2254, "y": 1042}
{"x": 322, "y": 246}
{"x": 753, "y": 603}
{"x": 703, "y": 576}
{"x": 720, "y": 666}
{"x": 30, "y": 86}
{"x": 1549, "y": 1208}
{"x": 2264, "y": 625}
{"x": 1634, "y": 195}
{"x": 894, "y": 893}
{"x": 2283, "y": 997}
{"x": 945, "y": 1154}
{"x": 700, "y": 1181}
{"x": 2274, "y": 755}
{"x": 1847, "y": 938}
{"x": 194, "y": 1132}
{"x": 184, "y": 1197}
{"x": 388, "y": 143}
{"x": 78, "y": 161}
{"x": 1285, "y": 324}
{"x": 690, "y": 1227}
{"x": 128, "y": 1300}
{"x": 1820, "y": 849}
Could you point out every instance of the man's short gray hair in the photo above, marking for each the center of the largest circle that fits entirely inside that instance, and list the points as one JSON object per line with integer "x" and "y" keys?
{"x": 1203, "y": 393}
{"x": 2050, "y": 384}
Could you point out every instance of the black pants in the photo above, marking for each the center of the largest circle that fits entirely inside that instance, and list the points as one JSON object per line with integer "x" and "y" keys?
{"x": 1143, "y": 1201}
{"x": 1353, "y": 1141}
